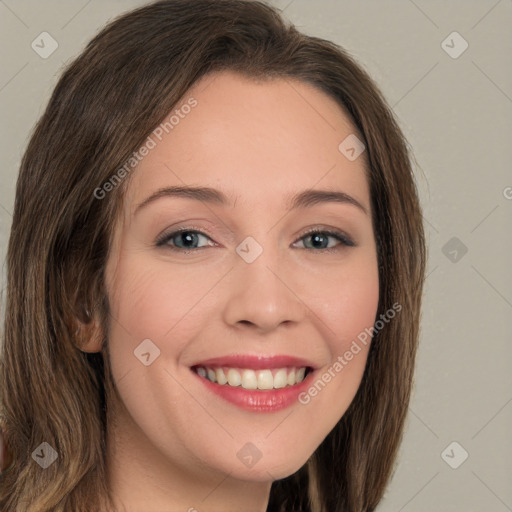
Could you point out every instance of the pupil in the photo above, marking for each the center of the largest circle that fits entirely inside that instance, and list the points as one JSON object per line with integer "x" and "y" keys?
{"x": 316, "y": 238}
{"x": 187, "y": 236}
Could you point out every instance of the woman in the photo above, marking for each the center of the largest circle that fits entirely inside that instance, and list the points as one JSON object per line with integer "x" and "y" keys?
{"x": 261, "y": 370}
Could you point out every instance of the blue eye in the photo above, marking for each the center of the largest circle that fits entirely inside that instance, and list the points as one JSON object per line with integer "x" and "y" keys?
{"x": 318, "y": 237}
{"x": 185, "y": 240}
{"x": 188, "y": 237}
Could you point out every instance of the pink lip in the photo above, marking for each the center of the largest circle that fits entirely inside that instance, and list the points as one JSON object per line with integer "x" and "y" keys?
{"x": 255, "y": 362}
{"x": 258, "y": 400}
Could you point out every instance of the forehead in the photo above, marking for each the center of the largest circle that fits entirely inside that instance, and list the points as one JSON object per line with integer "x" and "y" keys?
{"x": 257, "y": 141}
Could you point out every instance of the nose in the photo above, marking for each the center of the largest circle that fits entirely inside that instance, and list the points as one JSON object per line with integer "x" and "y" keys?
{"x": 262, "y": 294}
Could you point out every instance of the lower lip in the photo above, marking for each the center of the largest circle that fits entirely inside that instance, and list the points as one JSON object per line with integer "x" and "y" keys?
{"x": 258, "y": 401}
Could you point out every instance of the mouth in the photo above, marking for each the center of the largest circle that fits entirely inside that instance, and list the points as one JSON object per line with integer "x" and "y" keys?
{"x": 263, "y": 380}
{"x": 256, "y": 383}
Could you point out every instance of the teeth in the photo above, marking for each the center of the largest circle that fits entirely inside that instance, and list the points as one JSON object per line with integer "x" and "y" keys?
{"x": 211, "y": 374}
{"x": 265, "y": 379}
{"x": 251, "y": 379}
{"x": 221, "y": 376}
{"x": 280, "y": 379}
{"x": 234, "y": 378}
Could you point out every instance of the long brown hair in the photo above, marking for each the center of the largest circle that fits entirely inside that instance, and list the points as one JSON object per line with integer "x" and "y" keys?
{"x": 103, "y": 108}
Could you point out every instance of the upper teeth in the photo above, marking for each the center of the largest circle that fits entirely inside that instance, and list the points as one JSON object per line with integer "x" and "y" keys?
{"x": 253, "y": 379}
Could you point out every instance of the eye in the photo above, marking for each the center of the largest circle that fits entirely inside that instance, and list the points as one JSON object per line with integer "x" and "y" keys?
{"x": 182, "y": 240}
{"x": 320, "y": 239}
{"x": 185, "y": 240}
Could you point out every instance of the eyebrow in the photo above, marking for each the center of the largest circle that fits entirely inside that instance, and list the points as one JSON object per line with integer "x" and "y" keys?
{"x": 304, "y": 199}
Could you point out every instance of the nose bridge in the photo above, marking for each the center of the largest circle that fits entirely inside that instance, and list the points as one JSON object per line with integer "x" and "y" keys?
{"x": 261, "y": 261}
{"x": 259, "y": 292}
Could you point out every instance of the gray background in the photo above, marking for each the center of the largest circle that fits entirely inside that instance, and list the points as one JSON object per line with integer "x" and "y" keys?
{"x": 457, "y": 115}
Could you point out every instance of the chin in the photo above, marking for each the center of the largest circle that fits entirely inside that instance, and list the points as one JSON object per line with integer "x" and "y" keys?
{"x": 267, "y": 470}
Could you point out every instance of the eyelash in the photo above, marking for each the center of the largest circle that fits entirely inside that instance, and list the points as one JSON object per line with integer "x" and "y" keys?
{"x": 338, "y": 235}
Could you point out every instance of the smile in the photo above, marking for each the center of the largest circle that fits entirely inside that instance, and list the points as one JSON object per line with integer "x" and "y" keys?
{"x": 255, "y": 382}
{"x": 263, "y": 379}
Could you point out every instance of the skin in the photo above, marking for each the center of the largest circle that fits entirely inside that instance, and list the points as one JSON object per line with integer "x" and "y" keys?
{"x": 173, "y": 444}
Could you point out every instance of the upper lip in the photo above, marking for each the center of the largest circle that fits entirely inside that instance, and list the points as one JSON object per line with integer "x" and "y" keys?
{"x": 255, "y": 362}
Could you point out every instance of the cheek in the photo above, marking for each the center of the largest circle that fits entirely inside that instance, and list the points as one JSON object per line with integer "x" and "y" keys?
{"x": 348, "y": 309}
{"x": 149, "y": 301}
{"x": 348, "y": 301}
{"x": 154, "y": 300}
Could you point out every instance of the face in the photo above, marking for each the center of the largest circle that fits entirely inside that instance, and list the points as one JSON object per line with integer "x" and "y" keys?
{"x": 253, "y": 289}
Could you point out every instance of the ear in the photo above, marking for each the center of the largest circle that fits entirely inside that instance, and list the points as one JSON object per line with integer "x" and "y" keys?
{"x": 88, "y": 336}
